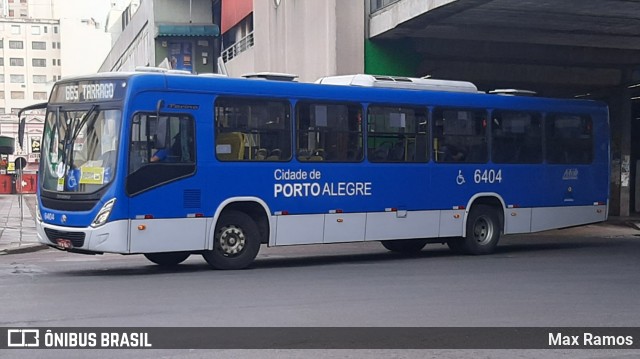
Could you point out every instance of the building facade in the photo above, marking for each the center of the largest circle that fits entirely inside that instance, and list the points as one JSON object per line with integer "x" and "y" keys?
{"x": 310, "y": 39}
{"x": 42, "y": 42}
{"x": 30, "y": 61}
{"x": 170, "y": 34}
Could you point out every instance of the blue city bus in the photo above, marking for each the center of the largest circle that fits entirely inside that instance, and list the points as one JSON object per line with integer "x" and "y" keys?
{"x": 168, "y": 165}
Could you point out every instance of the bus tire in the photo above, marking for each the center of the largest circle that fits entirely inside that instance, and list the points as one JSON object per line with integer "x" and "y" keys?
{"x": 167, "y": 259}
{"x": 483, "y": 230}
{"x": 236, "y": 241}
{"x": 405, "y": 245}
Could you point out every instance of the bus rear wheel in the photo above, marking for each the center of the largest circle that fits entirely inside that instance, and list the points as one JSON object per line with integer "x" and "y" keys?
{"x": 483, "y": 232}
{"x": 236, "y": 242}
{"x": 405, "y": 245}
{"x": 167, "y": 259}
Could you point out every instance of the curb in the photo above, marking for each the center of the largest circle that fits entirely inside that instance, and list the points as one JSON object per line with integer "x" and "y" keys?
{"x": 26, "y": 248}
{"x": 633, "y": 224}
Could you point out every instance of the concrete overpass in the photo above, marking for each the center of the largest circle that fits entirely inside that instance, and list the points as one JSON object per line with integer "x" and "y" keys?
{"x": 569, "y": 48}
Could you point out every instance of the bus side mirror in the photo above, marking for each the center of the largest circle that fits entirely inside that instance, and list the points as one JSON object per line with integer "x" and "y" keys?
{"x": 23, "y": 120}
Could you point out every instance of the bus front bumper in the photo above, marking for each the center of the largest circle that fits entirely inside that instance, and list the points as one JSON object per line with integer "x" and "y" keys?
{"x": 113, "y": 237}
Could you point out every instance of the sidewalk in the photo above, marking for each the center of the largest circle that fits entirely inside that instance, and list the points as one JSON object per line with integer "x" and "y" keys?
{"x": 18, "y": 228}
{"x": 17, "y": 224}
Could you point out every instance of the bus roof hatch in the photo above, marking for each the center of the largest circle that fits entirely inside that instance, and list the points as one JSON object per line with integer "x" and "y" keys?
{"x": 513, "y": 92}
{"x": 276, "y": 76}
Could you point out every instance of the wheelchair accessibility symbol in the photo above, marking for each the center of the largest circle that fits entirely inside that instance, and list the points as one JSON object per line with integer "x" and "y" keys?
{"x": 460, "y": 179}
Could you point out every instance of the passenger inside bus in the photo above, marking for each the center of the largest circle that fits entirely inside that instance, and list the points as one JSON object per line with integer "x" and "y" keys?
{"x": 452, "y": 153}
{"x": 396, "y": 153}
{"x": 174, "y": 153}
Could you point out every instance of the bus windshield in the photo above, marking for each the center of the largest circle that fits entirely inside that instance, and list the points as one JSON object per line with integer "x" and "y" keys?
{"x": 79, "y": 149}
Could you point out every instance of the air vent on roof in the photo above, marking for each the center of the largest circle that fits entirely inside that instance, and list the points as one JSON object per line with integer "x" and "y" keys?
{"x": 271, "y": 76}
{"x": 399, "y": 82}
{"x": 161, "y": 70}
{"x": 513, "y": 92}
{"x": 392, "y": 78}
{"x": 210, "y": 74}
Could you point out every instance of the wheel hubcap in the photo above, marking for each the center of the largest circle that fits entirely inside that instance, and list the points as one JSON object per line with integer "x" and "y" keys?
{"x": 482, "y": 230}
{"x": 231, "y": 240}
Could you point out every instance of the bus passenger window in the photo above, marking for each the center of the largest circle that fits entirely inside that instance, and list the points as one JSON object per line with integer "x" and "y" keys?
{"x": 329, "y": 132}
{"x": 397, "y": 134}
{"x": 569, "y": 139}
{"x": 516, "y": 137}
{"x": 459, "y": 135}
{"x": 252, "y": 130}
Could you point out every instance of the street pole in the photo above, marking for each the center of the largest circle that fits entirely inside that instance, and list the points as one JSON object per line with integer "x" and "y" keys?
{"x": 20, "y": 194}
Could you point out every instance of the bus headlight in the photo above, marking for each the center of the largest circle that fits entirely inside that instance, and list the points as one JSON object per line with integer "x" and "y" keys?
{"x": 103, "y": 215}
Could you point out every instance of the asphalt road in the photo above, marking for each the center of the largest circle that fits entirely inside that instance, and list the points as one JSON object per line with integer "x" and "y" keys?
{"x": 587, "y": 276}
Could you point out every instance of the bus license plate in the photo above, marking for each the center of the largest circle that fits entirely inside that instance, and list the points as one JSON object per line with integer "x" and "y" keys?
{"x": 64, "y": 243}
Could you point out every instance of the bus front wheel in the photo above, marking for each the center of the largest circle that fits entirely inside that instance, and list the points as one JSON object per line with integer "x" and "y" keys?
{"x": 168, "y": 259}
{"x": 483, "y": 232}
{"x": 236, "y": 242}
{"x": 405, "y": 245}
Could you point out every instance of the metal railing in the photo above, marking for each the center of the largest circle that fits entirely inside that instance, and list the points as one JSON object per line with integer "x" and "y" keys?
{"x": 236, "y": 49}
{"x": 379, "y": 4}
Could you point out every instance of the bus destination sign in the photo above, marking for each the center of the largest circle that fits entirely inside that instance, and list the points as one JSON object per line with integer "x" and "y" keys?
{"x": 88, "y": 91}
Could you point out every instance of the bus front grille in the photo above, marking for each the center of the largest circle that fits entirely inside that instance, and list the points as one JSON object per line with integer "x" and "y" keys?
{"x": 76, "y": 238}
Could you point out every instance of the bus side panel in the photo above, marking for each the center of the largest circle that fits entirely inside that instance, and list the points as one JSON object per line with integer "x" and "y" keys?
{"x": 168, "y": 235}
{"x": 402, "y": 225}
{"x": 517, "y": 220}
{"x": 344, "y": 227}
{"x": 559, "y": 217}
{"x": 451, "y": 223}
{"x": 299, "y": 229}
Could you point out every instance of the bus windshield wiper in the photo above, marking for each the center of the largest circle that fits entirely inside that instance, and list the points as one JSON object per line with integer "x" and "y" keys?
{"x": 76, "y": 131}
{"x": 62, "y": 140}
{"x": 84, "y": 120}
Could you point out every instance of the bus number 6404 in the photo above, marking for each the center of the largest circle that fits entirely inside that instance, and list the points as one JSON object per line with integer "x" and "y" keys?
{"x": 487, "y": 176}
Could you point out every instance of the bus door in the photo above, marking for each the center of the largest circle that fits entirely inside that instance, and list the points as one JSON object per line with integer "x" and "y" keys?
{"x": 165, "y": 198}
